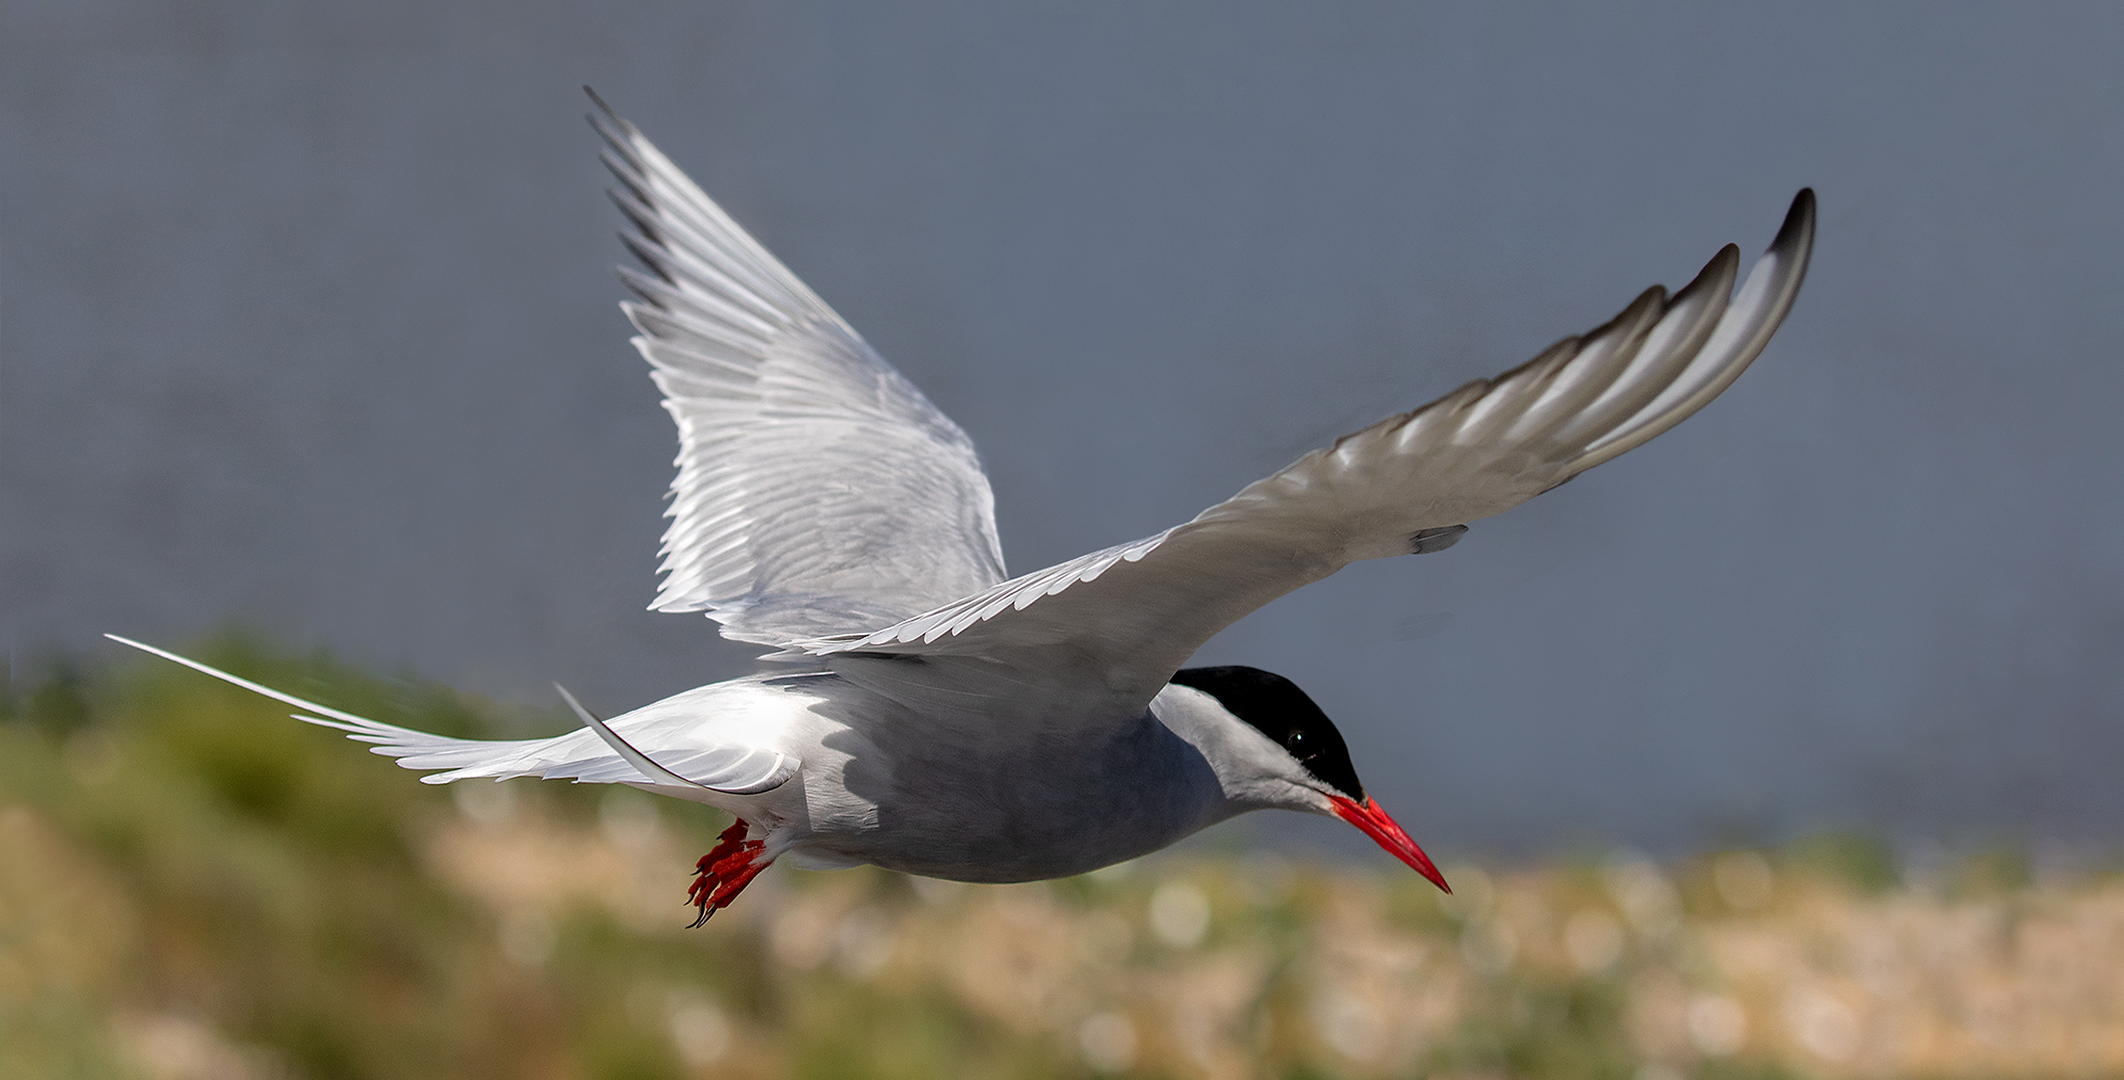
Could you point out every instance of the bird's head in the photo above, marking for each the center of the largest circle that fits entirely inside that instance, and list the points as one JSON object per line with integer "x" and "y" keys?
{"x": 1286, "y": 753}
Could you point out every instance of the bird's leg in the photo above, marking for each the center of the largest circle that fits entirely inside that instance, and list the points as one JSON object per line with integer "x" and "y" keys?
{"x": 725, "y": 871}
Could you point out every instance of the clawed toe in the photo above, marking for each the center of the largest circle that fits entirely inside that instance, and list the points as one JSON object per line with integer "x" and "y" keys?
{"x": 725, "y": 871}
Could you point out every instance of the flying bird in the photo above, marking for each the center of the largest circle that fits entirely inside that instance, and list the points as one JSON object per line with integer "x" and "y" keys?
{"x": 936, "y": 716}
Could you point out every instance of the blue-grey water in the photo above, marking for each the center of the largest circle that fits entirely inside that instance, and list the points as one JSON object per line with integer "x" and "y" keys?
{"x": 307, "y": 324}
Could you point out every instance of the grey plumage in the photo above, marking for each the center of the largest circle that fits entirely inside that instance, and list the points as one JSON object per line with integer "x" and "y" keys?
{"x": 943, "y": 720}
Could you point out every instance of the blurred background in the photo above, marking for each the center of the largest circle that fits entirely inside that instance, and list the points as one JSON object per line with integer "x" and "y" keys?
{"x": 193, "y": 887}
{"x": 308, "y": 349}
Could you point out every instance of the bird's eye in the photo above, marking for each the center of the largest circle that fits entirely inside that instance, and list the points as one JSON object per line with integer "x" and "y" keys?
{"x": 1296, "y": 737}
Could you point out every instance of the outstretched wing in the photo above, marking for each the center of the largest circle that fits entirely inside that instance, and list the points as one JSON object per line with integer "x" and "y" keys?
{"x": 818, "y": 491}
{"x": 1124, "y": 619}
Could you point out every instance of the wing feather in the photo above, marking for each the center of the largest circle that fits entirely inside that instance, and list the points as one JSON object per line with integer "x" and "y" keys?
{"x": 1132, "y": 614}
{"x": 818, "y": 491}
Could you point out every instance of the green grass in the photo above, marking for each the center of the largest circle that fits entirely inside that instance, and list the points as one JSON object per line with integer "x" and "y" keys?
{"x": 185, "y": 871}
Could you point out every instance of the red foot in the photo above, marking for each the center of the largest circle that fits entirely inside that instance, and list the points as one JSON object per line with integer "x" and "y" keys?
{"x": 725, "y": 871}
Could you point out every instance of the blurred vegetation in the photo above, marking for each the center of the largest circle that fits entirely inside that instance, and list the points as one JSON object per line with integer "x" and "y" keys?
{"x": 194, "y": 886}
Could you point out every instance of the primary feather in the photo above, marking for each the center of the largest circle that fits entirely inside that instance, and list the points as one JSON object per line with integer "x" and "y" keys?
{"x": 818, "y": 491}
{"x": 1135, "y": 612}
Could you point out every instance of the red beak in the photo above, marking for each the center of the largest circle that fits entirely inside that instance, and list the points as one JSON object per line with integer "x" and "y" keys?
{"x": 1376, "y": 824}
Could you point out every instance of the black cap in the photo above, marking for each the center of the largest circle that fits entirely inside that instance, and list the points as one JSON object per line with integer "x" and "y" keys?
{"x": 1274, "y": 706}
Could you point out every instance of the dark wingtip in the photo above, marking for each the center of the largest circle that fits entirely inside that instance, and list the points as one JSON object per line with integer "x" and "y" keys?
{"x": 1723, "y": 267}
{"x": 1799, "y": 222}
{"x": 611, "y": 122}
{"x": 1795, "y": 240}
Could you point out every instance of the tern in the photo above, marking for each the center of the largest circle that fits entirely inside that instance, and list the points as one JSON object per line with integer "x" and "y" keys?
{"x": 939, "y": 717}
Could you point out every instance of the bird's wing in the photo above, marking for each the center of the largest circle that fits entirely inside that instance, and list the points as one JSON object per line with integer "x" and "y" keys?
{"x": 818, "y": 491}
{"x": 582, "y": 755}
{"x": 1121, "y": 621}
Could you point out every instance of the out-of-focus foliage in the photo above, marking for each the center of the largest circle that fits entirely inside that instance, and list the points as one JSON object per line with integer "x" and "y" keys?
{"x": 194, "y": 886}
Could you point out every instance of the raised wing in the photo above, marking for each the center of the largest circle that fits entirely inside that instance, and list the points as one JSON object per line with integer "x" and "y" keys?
{"x": 818, "y": 491}
{"x": 1126, "y": 618}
